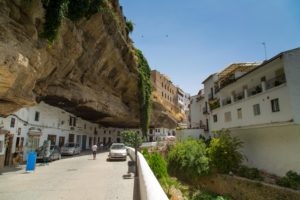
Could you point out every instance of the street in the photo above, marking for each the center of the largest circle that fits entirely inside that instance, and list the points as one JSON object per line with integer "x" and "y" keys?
{"x": 72, "y": 178}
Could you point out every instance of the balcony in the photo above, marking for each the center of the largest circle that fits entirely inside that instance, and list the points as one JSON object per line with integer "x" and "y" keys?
{"x": 255, "y": 90}
{"x": 214, "y": 105}
{"x": 239, "y": 96}
{"x": 274, "y": 82}
{"x": 226, "y": 101}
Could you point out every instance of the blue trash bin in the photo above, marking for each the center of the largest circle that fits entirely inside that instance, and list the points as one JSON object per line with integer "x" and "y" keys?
{"x": 31, "y": 160}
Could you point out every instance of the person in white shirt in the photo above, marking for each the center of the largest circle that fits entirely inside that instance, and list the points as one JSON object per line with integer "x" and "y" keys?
{"x": 94, "y": 149}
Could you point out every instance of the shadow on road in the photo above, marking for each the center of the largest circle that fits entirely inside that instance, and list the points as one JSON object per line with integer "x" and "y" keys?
{"x": 11, "y": 169}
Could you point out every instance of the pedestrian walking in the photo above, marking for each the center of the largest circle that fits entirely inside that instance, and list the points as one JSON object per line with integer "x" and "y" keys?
{"x": 94, "y": 149}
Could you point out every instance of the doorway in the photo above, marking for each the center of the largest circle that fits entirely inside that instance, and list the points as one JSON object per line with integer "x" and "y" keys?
{"x": 118, "y": 140}
{"x": 8, "y": 154}
{"x": 61, "y": 141}
{"x": 104, "y": 141}
{"x": 52, "y": 139}
{"x": 84, "y": 142}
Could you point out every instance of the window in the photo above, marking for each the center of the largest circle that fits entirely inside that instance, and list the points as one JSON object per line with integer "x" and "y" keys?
{"x": 12, "y": 122}
{"x": 275, "y": 105}
{"x": 239, "y": 113}
{"x": 72, "y": 121}
{"x": 227, "y": 116}
{"x": 256, "y": 109}
{"x": 215, "y": 118}
{"x": 162, "y": 94}
{"x": 37, "y": 116}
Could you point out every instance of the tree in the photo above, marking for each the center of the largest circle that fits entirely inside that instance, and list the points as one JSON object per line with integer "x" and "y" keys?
{"x": 223, "y": 152}
{"x": 129, "y": 138}
{"x": 189, "y": 159}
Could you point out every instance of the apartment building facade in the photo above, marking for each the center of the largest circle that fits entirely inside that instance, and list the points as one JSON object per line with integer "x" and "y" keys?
{"x": 259, "y": 103}
{"x": 165, "y": 89}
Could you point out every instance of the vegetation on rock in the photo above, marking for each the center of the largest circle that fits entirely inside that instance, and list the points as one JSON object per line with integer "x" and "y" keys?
{"x": 188, "y": 159}
{"x": 130, "y": 138}
{"x": 200, "y": 195}
{"x": 145, "y": 90}
{"x": 56, "y": 10}
{"x": 291, "y": 180}
{"x": 129, "y": 26}
{"x": 250, "y": 173}
{"x": 223, "y": 152}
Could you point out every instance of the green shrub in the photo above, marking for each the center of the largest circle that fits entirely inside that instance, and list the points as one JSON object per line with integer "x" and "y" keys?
{"x": 250, "y": 173}
{"x": 129, "y": 138}
{"x": 223, "y": 152}
{"x": 189, "y": 159}
{"x": 158, "y": 165}
{"x": 77, "y": 9}
{"x": 55, "y": 10}
{"x": 200, "y": 195}
{"x": 291, "y": 180}
{"x": 129, "y": 26}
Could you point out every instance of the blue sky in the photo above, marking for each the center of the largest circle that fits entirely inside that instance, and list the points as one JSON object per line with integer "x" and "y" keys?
{"x": 189, "y": 40}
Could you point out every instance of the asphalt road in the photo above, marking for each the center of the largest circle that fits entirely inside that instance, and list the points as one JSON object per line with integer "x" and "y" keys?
{"x": 72, "y": 178}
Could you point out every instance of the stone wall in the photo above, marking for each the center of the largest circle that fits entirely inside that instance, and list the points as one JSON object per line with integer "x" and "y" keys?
{"x": 245, "y": 189}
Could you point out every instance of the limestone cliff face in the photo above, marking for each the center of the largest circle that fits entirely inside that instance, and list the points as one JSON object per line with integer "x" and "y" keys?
{"x": 90, "y": 70}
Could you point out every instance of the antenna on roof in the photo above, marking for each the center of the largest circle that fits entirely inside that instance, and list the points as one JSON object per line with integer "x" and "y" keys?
{"x": 265, "y": 48}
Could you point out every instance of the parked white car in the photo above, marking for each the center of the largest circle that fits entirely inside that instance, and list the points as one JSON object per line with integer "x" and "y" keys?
{"x": 70, "y": 149}
{"x": 117, "y": 151}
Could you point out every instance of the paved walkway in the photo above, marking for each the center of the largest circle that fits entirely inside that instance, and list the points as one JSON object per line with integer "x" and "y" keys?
{"x": 74, "y": 178}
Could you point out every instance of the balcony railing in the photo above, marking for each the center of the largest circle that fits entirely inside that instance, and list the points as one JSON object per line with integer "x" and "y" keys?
{"x": 214, "y": 105}
{"x": 274, "y": 82}
{"x": 226, "y": 101}
{"x": 255, "y": 90}
{"x": 239, "y": 96}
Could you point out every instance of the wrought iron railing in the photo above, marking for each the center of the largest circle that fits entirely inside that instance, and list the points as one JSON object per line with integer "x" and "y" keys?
{"x": 226, "y": 101}
{"x": 255, "y": 90}
{"x": 274, "y": 82}
{"x": 239, "y": 96}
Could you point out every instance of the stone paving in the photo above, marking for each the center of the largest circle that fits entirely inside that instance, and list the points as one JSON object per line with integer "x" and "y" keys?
{"x": 73, "y": 178}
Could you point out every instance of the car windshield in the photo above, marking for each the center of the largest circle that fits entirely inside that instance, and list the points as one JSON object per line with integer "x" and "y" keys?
{"x": 118, "y": 146}
{"x": 69, "y": 145}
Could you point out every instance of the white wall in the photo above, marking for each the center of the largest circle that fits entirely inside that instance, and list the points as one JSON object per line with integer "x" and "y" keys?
{"x": 248, "y": 118}
{"x": 291, "y": 61}
{"x": 275, "y": 149}
{"x": 185, "y": 134}
{"x": 2, "y": 137}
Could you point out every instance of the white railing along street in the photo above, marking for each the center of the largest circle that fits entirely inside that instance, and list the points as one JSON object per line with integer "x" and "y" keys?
{"x": 150, "y": 188}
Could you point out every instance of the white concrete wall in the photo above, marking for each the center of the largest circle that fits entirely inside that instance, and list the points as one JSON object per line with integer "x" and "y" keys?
{"x": 196, "y": 111}
{"x": 2, "y": 138}
{"x": 150, "y": 188}
{"x": 291, "y": 61}
{"x": 248, "y": 118}
{"x": 185, "y": 134}
{"x": 275, "y": 149}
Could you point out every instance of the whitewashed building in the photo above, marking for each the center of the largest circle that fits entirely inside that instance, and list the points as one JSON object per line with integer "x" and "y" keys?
{"x": 29, "y": 127}
{"x": 197, "y": 105}
{"x": 259, "y": 103}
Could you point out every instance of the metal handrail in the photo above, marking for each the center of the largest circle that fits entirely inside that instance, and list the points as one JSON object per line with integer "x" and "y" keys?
{"x": 276, "y": 81}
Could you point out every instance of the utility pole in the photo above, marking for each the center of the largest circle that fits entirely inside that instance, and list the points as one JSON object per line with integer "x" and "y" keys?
{"x": 265, "y": 48}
